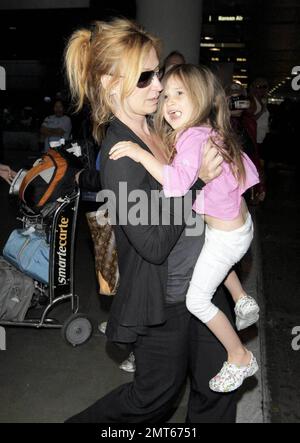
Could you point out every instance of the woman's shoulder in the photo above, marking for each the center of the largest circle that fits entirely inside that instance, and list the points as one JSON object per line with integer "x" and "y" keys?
{"x": 115, "y": 132}
{"x": 124, "y": 167}
{"x": 116, "y": 128}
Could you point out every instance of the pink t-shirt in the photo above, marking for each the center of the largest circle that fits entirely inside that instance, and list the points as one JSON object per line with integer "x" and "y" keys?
{"x": 221, "y": 198}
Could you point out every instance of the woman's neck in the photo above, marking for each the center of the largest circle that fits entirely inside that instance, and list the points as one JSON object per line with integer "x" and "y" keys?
{"x": 138, "y": 125}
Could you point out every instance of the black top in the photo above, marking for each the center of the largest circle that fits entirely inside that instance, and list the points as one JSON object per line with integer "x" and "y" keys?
{"x": 143, "y": 250}
{"x": 89, "y": 179}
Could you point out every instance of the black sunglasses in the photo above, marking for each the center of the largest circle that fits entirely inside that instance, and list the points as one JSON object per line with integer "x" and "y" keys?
{"x": 147, "y": 77}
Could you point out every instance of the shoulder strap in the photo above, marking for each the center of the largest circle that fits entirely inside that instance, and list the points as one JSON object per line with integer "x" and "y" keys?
{"x": 61, "y": 169}
{"x": 36, "y": 170}
{"x": 52, "y": 158}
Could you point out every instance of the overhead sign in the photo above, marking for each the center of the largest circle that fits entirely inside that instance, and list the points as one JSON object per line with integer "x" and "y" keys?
{"x": 231, "y": 18}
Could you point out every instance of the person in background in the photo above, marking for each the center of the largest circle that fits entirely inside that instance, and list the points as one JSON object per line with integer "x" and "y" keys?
{"x": 246, "y": 129}
{"x": 259, "y": 111}
{"x": 56, "y": 126}
{"x": 6, "y": 173}
{"x": 173, "y": 59}
{"x": 259, "y": 108}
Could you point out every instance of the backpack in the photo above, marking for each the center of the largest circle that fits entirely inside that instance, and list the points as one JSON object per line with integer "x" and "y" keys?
{"x": 51, "y": 177}
{"x": 16, "y": 291}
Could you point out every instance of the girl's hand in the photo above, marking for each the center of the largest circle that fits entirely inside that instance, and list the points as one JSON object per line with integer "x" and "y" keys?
{"x": 126, "y": 149}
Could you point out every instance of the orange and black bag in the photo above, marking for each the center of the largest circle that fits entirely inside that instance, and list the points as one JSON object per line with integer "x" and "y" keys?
{"x": 51, "y": 177}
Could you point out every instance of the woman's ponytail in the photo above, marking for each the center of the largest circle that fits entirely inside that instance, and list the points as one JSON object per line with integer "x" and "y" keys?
{"x": 77, "y": 61}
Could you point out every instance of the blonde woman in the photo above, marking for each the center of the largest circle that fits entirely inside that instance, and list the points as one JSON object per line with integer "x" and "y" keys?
{"x": 193, "y": 110}
{"x": 115, "y": 66}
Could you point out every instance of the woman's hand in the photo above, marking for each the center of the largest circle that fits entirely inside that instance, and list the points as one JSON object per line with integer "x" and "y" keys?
{"x": 7, "y": 174}
{"x": 211, "y": 163}
{"x": 126, "y": 149}
{"x": 4, "y": 168}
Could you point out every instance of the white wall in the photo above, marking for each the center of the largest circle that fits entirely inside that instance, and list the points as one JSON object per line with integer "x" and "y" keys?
{"x": 177, "y": 22}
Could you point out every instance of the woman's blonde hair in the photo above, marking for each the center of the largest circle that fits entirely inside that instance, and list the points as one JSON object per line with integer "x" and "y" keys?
{"x": 210, "y": 108}
{"x": 112, "y": 48}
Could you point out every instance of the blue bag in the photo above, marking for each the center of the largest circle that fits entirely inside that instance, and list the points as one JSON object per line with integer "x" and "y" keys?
{"x": 29, "y": 252}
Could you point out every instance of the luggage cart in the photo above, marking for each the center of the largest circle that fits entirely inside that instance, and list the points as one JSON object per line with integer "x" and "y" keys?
{"x": 59, "y": 222}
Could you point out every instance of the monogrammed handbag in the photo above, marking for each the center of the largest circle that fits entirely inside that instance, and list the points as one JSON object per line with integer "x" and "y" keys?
{"x": 106, "y": 259}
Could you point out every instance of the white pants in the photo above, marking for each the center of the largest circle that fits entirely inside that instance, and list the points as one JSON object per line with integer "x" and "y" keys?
{"x": 221, "y": 251}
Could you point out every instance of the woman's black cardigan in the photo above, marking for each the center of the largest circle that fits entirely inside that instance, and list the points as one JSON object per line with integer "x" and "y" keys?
{"x": 142, "y": 250}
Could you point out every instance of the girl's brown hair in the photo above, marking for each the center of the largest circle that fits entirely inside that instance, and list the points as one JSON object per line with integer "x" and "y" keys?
{"x": 108, "y": 49}
{"x": 210, "y": 109}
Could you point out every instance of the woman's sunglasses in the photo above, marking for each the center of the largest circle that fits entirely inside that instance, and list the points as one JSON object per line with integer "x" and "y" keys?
{"x": 147, "y": 77}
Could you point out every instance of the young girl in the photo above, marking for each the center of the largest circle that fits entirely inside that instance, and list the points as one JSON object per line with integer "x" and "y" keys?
{"x": 194, "y": 110}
